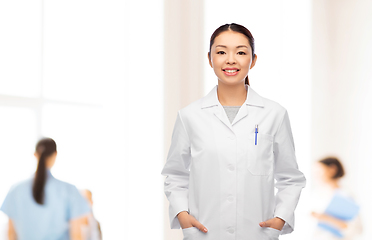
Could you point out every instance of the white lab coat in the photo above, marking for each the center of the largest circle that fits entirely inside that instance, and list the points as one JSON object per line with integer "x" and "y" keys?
{"x": 215, "y": 171}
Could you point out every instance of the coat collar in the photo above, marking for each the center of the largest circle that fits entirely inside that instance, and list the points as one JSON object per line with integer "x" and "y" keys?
{"x": 211, "y": 100}
{"x": 252, "y": 99}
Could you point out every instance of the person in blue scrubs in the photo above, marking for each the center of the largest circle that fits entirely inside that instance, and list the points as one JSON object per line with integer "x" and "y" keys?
{"x": 43, "y": 207}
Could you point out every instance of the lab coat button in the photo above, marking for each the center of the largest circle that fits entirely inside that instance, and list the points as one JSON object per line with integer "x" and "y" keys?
{"x": 231, "y": 231}
{"x": 230, "y": 199}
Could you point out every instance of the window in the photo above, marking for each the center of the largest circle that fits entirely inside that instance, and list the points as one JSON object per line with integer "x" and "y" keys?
{"x": 79, "y": 72}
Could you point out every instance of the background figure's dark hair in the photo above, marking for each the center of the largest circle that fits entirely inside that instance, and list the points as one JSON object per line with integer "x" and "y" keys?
{"x": 44, "y": 148}
{"x": 236, "y": 28}
{"x": 333, "y": 161}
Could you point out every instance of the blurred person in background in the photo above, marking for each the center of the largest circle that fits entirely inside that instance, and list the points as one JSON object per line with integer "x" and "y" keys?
{"x": 91, "y": 228}
{"x": 330, "y": 191}
{"x": 43, "y": 207}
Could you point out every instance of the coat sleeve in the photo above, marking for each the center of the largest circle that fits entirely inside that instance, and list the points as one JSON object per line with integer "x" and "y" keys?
{"x": 289, "y": 180}
{"x": 176, "y": 170}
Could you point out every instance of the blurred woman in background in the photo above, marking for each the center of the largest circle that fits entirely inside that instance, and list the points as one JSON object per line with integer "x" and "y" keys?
{"x": 44, "y": 208}
{"x": 329, "y": 172}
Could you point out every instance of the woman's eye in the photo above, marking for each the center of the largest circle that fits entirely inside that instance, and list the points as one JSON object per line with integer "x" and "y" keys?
{"x": 220, "y": 52}
{"x": 241, "y": 53}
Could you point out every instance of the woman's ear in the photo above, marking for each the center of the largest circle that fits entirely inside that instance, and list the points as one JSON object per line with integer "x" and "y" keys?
{"x": 253, "y": 61}
{"x": 209, "y": 59}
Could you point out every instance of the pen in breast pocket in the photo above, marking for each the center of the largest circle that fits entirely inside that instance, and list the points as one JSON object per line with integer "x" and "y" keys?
{"x": 256, "y": 131}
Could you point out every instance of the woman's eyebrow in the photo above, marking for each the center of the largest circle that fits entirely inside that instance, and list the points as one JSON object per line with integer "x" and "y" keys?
{"x": 240, "y": 46}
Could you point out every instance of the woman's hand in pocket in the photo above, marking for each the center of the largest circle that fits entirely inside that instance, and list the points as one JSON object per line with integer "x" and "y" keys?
{"x": 276, "y": 223}
{"x": 188, "y": 221}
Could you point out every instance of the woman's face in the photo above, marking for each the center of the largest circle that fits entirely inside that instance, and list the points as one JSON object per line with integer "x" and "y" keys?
{"x": 325, "y": 172}
{"x": 231, "y": 57}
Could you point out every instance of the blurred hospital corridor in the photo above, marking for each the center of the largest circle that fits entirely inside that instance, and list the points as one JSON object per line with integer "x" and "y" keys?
{"x": 105, "y": 80}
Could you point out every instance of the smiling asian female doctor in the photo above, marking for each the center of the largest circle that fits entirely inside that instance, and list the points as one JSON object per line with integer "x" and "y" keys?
{"x": 227, "y": 149}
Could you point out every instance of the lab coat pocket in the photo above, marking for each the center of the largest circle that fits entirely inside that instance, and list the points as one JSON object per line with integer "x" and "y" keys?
{"x": 272, "y": 233}
{"x": 189, "y": 233}
{"x": 260, "y": 154}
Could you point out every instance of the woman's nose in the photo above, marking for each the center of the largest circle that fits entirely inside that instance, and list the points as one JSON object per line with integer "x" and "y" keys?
{"x": 230, "y": 60}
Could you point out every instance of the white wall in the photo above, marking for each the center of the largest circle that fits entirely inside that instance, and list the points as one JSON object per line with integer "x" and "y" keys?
{"x": 183, "y": 71}
{"x": 90, "y": 75}
{"x": 342, "y": 90}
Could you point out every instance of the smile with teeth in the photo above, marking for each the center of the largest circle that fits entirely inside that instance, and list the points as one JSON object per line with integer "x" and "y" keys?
{"x": 231, "y": 71}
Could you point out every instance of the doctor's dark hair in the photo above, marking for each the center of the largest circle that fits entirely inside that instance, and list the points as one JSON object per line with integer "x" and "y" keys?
{"x": 44, "y": 148}
{"x": 333, "y": 161}
{"x": 235, "y": 28}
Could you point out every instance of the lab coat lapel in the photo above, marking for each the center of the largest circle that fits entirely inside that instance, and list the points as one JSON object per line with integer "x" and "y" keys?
{"x": 211, "y": 100}
{"x": 220, "y": 112}
{"x": 252, "y": 99}
{"x": 242, "y": 113}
